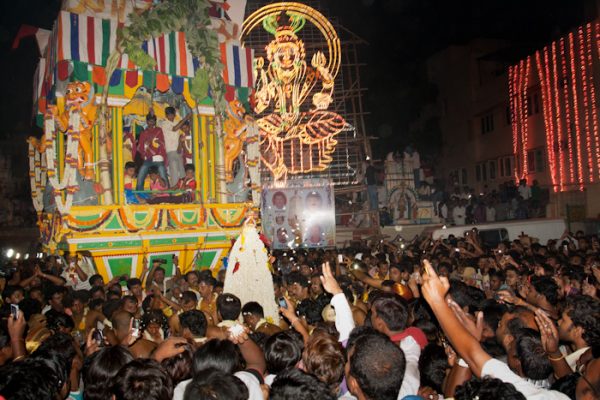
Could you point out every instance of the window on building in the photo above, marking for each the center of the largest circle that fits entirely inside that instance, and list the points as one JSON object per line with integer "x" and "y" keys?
{"x": 464, "y": 176}
{"x": 540, "y": 164}
{"x": 505, "y": 166}
{"x": 530, "y": 161}
{"x": 533, "y": 104}
{"x": 492, "y": 167}
{"x": 481, "y": 172}
{"x": 487, "y": 123}
{"x": 535, "y": 160}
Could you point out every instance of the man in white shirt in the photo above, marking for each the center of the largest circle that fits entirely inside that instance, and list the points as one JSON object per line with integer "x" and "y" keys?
{"x": 459, "y": 213}
{"x": 524, "y": 190}
{"x": 74, "y": 274}
{"x": 579, "y": 325}
{"x": 170, "y": 127}
{"x": 468, "y": 347}
{"x": 490, "y": 213}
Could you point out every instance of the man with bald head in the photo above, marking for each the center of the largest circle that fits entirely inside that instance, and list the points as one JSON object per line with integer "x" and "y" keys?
{"x": 120, "y": 334}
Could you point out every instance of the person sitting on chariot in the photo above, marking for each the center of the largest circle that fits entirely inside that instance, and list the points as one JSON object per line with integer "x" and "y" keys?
{"x": 188, "y": 184}
{"x": 158, "y": 186}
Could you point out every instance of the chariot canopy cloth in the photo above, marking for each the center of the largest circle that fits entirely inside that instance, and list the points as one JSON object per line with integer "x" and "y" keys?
{"x": 92, "y": 40}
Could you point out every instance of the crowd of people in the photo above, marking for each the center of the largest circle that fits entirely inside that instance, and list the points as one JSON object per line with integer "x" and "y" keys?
{"x": 509, "y": 202}
{"x": 402, "y": 184}
{"x": 381, "y": 320}
{"x": 464, "y": 206}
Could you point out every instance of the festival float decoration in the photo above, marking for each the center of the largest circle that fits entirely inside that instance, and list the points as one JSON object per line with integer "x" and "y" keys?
{"x": 297, "y": 131}
{"x": 295, "y": 126}
{"x": 104, "y": 67}
{"x": 248, "y": 274}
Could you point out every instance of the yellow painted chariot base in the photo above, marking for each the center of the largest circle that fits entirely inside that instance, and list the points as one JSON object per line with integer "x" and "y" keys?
{"x": 118, "y": 238}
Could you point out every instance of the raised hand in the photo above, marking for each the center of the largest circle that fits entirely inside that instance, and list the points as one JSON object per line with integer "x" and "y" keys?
{"x": 434, "y": 288}
{"x": 330, "y": 284}
{"x": 475, "y": 328}
{"x": 170, "y": 348}
{"x": 290, "y": 311}
{"x": 238, "y": 334}
{"x": 548, "y": 332}
{"x": 91, "y": 344}
{"x": 506, "y": 296}
{"x": 16, "y": 327}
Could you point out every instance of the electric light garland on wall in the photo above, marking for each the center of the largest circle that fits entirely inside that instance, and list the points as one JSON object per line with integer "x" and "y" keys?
{"x": 586, "y": 103}
{"x": 525, "y": 113}
{"x": 592, "y": 85}
{"x": 519, "y": 104}
{"x": 519, "y": 115}
{"x": 576, "y": 110}
{"x": 570, "y": 115}
{"x": 547, "y": 109}
{"x": 512, "y": 104}
{"x": 567, "y": 104}
{"x": 559, "y": 131}
{"x": 551, "y": 141}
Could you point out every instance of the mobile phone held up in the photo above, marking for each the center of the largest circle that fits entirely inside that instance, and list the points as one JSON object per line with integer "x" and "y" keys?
{"x": 14, "y": 310}
{"x": 135, "y": 328}
{"x": 98, "y": 336}
{"x": 282, "y": 303}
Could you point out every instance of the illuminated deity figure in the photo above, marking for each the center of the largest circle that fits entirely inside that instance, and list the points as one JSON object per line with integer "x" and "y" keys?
{"x": 79, "y": 96}
{"x": 294, "y": 141}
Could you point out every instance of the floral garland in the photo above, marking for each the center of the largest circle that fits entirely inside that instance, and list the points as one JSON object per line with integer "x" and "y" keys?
{"x": 69, "y": 179}
{"x": 37, "y": 177}
{"x": 85, "y": 226}
{"x": 229, "y": 224}
{"x": 153, "y": 220}
{"x": 180, "y": 223}
{"x": 248, "y": 275}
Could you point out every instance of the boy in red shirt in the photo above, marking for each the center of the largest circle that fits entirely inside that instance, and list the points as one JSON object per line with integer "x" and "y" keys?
{"x": 187, "y": 183}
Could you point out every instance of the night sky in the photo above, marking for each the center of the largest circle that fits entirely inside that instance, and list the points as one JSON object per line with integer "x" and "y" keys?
{"x": 401, "y": 33}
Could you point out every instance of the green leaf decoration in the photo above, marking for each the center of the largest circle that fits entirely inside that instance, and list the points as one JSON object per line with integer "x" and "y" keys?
{"x": 199, "y": 85}
{"x": 191, "y": 17}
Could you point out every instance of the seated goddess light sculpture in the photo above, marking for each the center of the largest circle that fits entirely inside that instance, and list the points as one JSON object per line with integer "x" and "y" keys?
{"x": 294, "y": 141}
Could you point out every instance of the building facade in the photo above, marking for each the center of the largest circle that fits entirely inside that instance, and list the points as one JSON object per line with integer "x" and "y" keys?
{"x": 500, "y": 120}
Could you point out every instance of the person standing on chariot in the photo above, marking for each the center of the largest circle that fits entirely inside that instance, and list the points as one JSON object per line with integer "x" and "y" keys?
{"x": 171, "y": 126}
{"x": 151, "y": 147}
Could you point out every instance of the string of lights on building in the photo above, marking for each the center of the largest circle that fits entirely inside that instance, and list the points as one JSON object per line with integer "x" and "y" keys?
{"x": 565, "y": 70}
